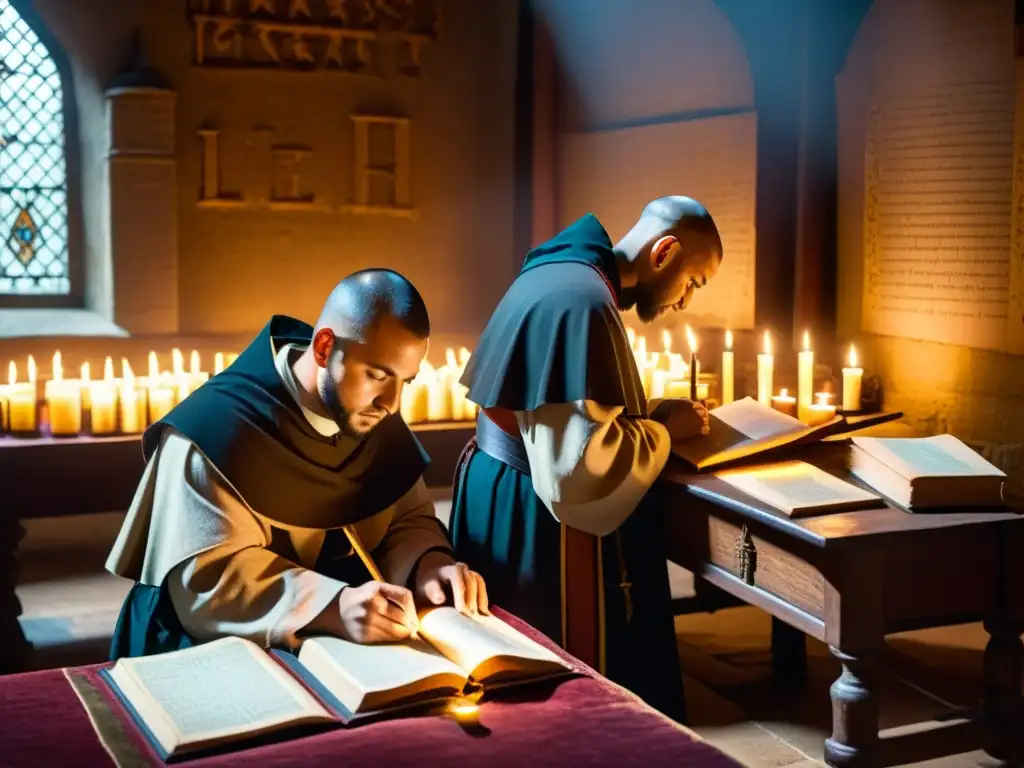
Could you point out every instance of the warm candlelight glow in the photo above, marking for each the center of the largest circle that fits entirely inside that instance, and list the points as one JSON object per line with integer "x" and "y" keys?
{"x": 132, "y": 401}
{"x": 449, "y": 358}
{"x": 177, "y": 362}
{"x": 21, "y": 400}
{"x": 765, "y": 372}
{"x": 822, "y": 410}
{"x": 728, "y": 374}
{"x": 464, "y": 355}
{"x": 154, "y": 366}
{"x": 193, "y": 363}
{"x": 805, "y": 378}
{"x": 12, "y": 373}
{"x": 57, "y": 368}
{"x": 853, "y": 377}
{"x": 691, "y": 340}
{"x": 218, "y": 363}
{"x": 63, "y": 401}
{"x": 666, "y": 341}
{"x": 784, "y": 403}
{"x": 631, "y": 337}
{"x": 108, "y": 369}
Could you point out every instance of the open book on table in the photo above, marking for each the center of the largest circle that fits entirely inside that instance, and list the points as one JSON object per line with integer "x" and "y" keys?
{"x": 746, "y": 428}
{"x": 799, "y": 489}
{"x": 230, "y": 690}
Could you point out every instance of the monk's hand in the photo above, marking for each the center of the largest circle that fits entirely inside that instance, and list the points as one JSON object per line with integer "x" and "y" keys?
{"x": 684, "y": 419}
{"x": 376, "y": 612}
{"x": 437, "y": 570}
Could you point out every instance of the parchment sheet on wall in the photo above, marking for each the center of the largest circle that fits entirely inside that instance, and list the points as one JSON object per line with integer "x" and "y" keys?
{"x": 938, "y": 214}
{"x": 614, "y": 174}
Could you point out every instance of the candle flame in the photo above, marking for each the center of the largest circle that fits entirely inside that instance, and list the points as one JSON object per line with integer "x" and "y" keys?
{"x": 108, "y": 369}
{"x": 631, "y": 335}
{"x": 31, "y": 370}
{"x": 823, "y": 398}
{"x": 57, "y": 370}
{"x": 193, "y": 363}
{"x": 177, "y": 362}
{"x": 154, "y": 366}
{"x": 767, "y": 343}
{"x": 449, "y": 358}
{"x": 666, "y": 341}
{"x": 807, "y": 341}
{"x": 12, "y": 373}
{"x": 853, "y": 356}
{"x": 464, "y": 355}
{"x": 218, "y": 363}
{"x": 728, "y": 340}
{"x": 783, "y": 392}
{"x": 83, "y": 372}
{"x": 691, "y": 339}
{"x": 126, "y": 372}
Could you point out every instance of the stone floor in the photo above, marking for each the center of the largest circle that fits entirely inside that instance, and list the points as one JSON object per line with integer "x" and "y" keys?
{"x": 70, "y": 607}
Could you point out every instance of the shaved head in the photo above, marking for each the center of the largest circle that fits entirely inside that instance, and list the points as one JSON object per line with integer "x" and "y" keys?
{"x": 359, "y": 303}
{"x": 672, "y": 251}
{"x": 369, "y": 341}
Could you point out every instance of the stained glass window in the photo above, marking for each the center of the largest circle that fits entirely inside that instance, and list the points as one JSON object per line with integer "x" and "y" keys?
{"x": 33, "y": 171}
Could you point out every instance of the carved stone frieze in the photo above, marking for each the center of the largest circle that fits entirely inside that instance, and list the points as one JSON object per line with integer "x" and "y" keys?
{"x": 364, "y": 37}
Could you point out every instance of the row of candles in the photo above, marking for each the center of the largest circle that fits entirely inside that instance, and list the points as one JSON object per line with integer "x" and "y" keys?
{"x": 127, "y": 404}
{"x": 667, "y": 374}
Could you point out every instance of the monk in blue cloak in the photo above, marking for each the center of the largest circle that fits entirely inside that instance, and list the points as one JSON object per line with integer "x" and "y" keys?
{"x": 556, "y": 503}
{"x": 255, "y": 483}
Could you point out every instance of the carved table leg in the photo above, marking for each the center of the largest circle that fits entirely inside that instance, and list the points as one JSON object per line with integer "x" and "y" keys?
{"x": 854, "y": 740}
{"x": 14, "y": 648}
{"x": 1004, "y": 704}
{"x": 789, "y": 652}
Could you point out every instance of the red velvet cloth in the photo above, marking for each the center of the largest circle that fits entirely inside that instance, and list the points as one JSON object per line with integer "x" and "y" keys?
{"x": 584, "y": 721}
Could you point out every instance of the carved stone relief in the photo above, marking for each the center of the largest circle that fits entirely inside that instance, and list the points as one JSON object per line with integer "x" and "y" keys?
{"x": 381, "y": 173}
{"x": 350, "y": 36}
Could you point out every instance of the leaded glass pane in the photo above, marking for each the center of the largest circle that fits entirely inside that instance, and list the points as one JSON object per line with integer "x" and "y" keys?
{"x": 33, "y": 172}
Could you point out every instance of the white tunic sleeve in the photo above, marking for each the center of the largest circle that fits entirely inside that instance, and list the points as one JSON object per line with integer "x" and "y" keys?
{"x": 238, "y": 587}
{"x": 590, "y": 465}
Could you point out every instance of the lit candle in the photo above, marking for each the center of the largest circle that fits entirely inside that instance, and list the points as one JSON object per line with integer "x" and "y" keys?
{"x": 179, "y": 380}
{"x": 703, "y": 390}
{"x": 821, "y": 411}
{"x": 84, "y": 379}
{"x": 160, "y": 392}
{"x": 631, "y": 337}
{"x": 103, "y": 402}
{"x": 728, "y": 371}
{"x": 218, "y": 363}
{"x": 852, "y": 379}
{"x": 12, "y": 377}
{"x": 63, "y": 401}
{"x": 132, "y": 400}
{"x": 765, "y": 372}
{"x": 805, "y": 378}
{"x": 439, "y": 401}
{"x": 22, "y": 405}
{"x": 691, "y": 339}
{"x": 196, "y": 376}
{"x": 784, "y": 403}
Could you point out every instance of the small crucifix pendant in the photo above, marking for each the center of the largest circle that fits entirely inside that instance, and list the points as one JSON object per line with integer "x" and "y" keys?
{"x": 625, "y": 586}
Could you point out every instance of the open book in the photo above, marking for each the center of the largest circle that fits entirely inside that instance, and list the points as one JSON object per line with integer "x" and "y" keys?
{"x": 746, "y": 428}
{"x": 799, "y": 489}
{"x": 230, "y": 690}
{"x": 927, "y": 472}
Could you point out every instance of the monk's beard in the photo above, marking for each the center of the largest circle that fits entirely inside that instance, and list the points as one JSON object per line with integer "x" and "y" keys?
{"x": 327, "y": 386}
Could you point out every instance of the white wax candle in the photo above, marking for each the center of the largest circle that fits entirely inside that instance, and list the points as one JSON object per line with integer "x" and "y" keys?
{"x": 853, "y": 378}
{"x": 784, "y": 403}
{"x": 821, "y": 411}
{"x": 63, "y": 401}
{"x": 659, "y": 384}
{"x": 102, "y": 407}
{"x": 22, "y": 400}
{"x": 765, "y": 372}
{"x": 728, "y": 371}
{"x": 805, "y": 378}
{"x": 132, "y": 408}
{"x": 162, "y": 399}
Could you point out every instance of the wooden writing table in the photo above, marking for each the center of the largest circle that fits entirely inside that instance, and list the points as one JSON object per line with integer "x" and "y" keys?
{"x": 849, "y": 579}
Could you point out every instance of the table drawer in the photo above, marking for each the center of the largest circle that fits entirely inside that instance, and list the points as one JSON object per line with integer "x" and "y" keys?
{"x": 697, "y": 538}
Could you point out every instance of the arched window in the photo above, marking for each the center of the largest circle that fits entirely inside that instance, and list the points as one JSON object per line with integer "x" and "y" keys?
{"x": 34, "y": 253}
